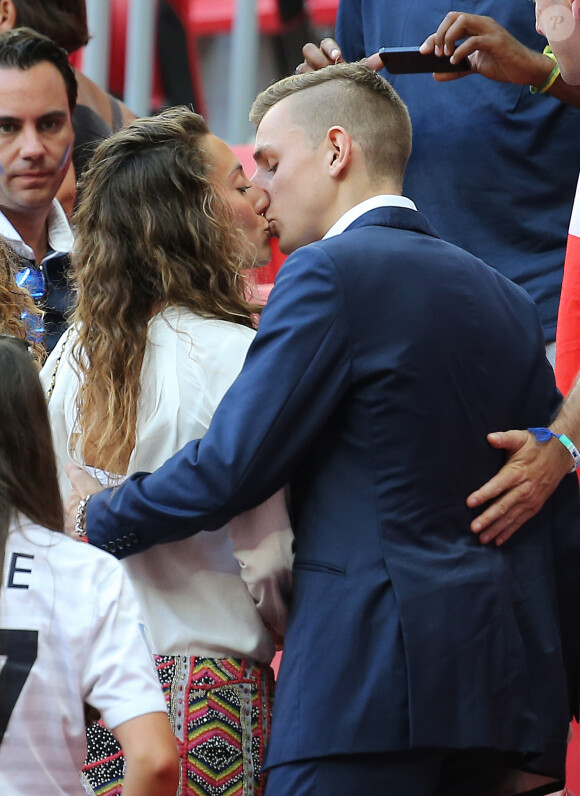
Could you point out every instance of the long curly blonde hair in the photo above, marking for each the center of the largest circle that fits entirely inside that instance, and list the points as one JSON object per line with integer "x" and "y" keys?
{"x": 14, "y": 302}
{"x": 151, "y": 231}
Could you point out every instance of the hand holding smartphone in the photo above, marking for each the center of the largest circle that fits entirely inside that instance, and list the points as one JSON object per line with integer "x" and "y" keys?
{"x": 409, "y": 60}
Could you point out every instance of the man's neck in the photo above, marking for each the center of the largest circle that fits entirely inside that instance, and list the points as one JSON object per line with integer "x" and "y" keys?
{"x": 33, "y": 229}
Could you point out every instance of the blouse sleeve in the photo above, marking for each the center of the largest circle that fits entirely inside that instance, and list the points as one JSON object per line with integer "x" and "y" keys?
{"x": 262, "y": 543}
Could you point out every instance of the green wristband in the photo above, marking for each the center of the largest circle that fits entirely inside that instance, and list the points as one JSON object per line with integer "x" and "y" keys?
{"x": 544, "y": 434}
{"x": 552, "y": 77}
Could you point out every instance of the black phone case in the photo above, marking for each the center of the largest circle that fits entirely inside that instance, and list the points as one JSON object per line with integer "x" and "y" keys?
{"x": 408, "y": 60}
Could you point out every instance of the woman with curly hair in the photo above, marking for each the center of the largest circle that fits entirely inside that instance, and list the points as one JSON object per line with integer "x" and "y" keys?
{"x": 165, "y": 229}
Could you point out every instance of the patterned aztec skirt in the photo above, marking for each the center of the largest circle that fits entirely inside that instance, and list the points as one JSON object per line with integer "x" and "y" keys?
{"x": 220, "y": 711}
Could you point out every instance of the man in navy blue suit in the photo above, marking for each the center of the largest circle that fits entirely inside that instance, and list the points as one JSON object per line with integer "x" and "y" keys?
{"x": 416, "y": 660}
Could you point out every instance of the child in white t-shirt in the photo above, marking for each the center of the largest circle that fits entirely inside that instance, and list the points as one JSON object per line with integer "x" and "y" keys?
{"x": 70, "y": 629}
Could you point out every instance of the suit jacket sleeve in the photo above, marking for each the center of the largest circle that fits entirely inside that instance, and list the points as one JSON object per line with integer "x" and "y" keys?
{"x": 296, "y": 371}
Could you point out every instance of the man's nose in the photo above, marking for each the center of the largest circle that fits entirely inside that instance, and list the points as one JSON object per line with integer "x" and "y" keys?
{"x": 257, "y": 179}
{"x": 31, "y": 144}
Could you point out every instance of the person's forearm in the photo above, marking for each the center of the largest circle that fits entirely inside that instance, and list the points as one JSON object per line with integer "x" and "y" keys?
{"x": 559, "y": 22}
{"x": 150, "y": 748}
{"x": 241, "y": 462}
{"x": 568, "y": 419}
{"x": 569, "y": 95}
{"x": 539, "y": 70}
{"x": 140, "y": 780}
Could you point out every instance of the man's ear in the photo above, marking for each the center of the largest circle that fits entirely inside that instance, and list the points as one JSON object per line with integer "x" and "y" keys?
{"x": 7, "y": 15}
{"x": 339, "y": 150}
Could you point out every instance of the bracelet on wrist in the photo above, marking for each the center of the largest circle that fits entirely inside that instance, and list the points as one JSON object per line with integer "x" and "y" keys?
{"x": 79, "y": 529}
{"x": 544, "y": 434}
{"x": 552, "y": 77}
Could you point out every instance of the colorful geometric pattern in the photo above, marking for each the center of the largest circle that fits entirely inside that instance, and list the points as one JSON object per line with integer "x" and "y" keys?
{"x": 102, "y": 773}
{"x": 220, "y": 711}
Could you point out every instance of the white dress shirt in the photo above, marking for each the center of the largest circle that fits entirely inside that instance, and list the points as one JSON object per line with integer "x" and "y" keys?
{"x": 60, "y": 236}
{"x": 381, "y": 200}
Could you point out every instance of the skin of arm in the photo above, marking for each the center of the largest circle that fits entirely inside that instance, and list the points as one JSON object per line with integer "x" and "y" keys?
{"x": 82, "y": 485}
{"x": 528, "y": 478}
{"x": 492, "y": 51}
{"x": 534, "y": 470}
{"x": 495, "y": 54}
{"x": 96, "y": 98}
{"x": 152, "y": 763}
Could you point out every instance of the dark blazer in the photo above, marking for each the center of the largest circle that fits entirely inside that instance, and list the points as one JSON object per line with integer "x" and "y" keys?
{"x": 383, "y": 358}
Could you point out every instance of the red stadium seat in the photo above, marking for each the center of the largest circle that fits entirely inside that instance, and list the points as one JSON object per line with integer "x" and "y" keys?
{"x": 211, "y": 17}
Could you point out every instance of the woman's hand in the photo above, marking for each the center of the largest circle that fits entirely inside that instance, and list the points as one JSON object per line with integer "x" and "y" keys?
{"x": 82, "y": 485}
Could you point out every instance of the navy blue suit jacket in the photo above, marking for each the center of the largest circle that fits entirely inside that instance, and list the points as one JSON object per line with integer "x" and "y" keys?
{"x": 383, "y": 358}
{"x": 477, "y": 144}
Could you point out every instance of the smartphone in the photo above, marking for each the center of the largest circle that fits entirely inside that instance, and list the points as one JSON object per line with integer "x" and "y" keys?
{"x": 408, "y": 60}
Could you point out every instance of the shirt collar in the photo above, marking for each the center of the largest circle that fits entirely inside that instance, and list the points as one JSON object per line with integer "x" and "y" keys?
{"x": 60, "y": 236}
{"x": 382, "y": 200}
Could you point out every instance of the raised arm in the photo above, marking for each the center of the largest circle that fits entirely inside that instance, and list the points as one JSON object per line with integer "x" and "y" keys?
{"x": 495, "y": 54}
{"x": 492, "y": 51}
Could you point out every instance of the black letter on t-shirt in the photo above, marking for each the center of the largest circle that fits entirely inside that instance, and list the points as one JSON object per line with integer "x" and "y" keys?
{"x": 14, "y": 569}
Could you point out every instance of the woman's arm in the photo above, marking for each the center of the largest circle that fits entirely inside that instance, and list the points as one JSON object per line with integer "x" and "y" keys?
{"x": 152, "y": 763}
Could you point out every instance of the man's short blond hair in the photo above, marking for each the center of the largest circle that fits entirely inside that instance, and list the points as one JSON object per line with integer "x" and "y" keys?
{"x": 356, "y": 98}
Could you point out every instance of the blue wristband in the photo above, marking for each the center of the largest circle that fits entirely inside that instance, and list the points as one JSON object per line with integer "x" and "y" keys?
{"x": 544, "y": 434}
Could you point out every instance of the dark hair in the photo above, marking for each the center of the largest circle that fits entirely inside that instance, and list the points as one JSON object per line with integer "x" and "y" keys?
{"x": 63, "y": 21}
{"x": 23, "y": 48}
{"x": 28, "y": 478}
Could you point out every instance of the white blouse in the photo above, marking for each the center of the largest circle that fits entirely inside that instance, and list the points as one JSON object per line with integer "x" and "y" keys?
{"x": 211, "y": 594}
